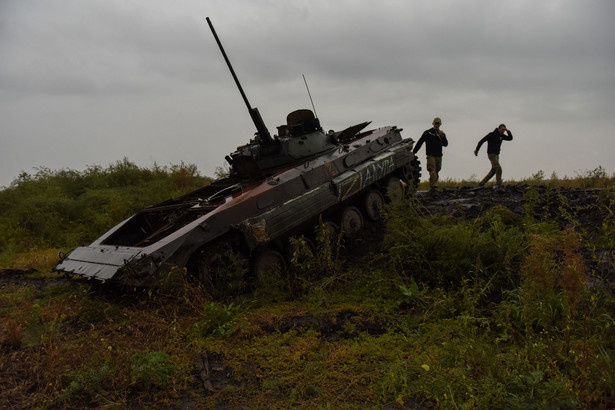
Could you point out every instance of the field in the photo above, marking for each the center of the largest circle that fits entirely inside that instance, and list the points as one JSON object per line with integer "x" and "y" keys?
{"x": 466, "y": 298}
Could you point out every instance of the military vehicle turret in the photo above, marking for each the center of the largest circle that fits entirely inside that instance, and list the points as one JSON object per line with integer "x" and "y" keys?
{"x": 277, "y": 187}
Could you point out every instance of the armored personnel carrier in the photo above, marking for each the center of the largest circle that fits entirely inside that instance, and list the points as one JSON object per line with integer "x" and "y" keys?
{"x": 277, "y": 187}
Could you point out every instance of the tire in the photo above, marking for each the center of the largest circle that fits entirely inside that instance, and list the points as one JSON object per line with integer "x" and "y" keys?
{"x": 268, "y": 260}
{"x": 372, "y": 202}
{"x": 219, "y": 269}
{"x": 415, "y": 172}
{"x": 411, "y": 173}
{"x": 395, "y": 189}
{"x": 351, "y": 222}
{"x": 302, "y": 252}
{"x": 328, "y": 238}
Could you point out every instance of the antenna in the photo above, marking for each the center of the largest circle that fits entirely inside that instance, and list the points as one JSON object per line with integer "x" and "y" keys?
{"x": 310, "y": 95}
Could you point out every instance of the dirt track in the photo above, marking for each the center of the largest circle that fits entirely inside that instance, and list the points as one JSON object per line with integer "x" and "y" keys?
{"x": 24, "y": 277}
{"x": 472, "y": 202}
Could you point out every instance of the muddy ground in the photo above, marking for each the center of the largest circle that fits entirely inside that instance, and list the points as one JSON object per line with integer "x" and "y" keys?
{"x": 473, "y": 202}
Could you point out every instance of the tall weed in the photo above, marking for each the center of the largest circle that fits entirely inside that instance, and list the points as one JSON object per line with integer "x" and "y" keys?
{"x": 553, "y": 283}
{"x": 316, "y": 265}
{"x": 445, "y": 252}
{"x": 152, "y": 370}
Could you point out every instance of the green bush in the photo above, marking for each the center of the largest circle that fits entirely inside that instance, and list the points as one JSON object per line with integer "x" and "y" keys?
{"x": 152, "y": 370}
{"x": 217, "y": 320}
{"x": 445, "y": 252}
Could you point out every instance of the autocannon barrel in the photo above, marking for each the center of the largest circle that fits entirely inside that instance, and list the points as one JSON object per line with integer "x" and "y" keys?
{"x": 254, "y": 114}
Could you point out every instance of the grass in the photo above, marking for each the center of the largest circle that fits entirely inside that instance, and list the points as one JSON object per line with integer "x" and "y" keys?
{"x": 499, "y": 312}
{"x": 596, "y": 178}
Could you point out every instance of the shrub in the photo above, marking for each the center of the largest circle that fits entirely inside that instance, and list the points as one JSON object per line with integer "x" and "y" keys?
{"x": 152, "y": 370}
{"x": 66, "y": 208}
{"x": 217, "y": 320}
{"x": 87, "y": 382}
{"x": 444, "y": 252}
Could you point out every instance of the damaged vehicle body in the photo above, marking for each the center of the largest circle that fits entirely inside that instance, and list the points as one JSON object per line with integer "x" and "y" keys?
{"x": 277, "y": 187}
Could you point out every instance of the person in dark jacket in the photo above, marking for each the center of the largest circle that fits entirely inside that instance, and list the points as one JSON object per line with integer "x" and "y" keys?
{"x": 434, "y": 139}
{"x": 494, "y": 142}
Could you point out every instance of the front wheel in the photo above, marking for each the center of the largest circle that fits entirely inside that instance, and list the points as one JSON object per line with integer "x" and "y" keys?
{"x": 219, "y": 269}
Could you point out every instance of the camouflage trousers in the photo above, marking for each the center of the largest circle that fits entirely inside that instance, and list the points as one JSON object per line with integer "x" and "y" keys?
{"x": 496, "y": 170}
{"x": 434, "y": 165}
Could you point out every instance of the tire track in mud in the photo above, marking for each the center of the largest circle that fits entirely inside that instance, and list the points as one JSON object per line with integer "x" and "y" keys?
{"x": 473, "y": 202}
{"x": 24, "y": 277}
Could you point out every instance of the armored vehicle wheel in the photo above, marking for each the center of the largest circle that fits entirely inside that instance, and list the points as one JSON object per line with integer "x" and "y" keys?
{"x": 268, "y": 260}
{"x": 372, "y": 202}
{"x": 220, "y": 270}
{"x": 351, "y": 221}
{"x": 326, "y": 234}
{"x": 411, "y": 173}
{"x": 301, "y": 250}
{"x": 395, "y": 189}
{"x": 415, "y": 172}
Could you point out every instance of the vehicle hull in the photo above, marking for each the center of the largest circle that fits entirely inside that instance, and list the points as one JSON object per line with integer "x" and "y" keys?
{"x": 143, "y": 248}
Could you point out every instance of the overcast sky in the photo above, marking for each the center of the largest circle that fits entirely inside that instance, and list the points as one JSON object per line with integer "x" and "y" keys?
{"x": 89, "y": 82}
